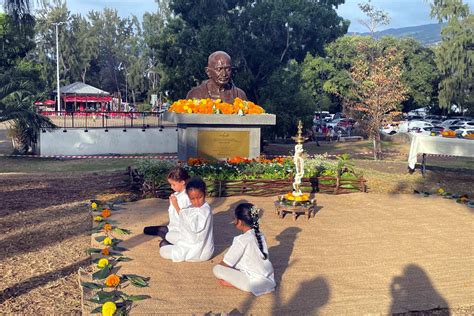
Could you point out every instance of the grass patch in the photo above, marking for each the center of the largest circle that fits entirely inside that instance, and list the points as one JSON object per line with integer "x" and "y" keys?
{"x": 44, "y": 165}
{"x": 337, "y": 148}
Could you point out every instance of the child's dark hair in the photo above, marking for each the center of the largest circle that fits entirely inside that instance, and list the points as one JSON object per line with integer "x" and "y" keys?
{"x": 196, "y": 184}
{"x": 178, "y": 174}
{"x": 243, "y": 211}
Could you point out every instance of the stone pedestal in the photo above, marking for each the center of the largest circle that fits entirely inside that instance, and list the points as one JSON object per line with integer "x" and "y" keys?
{"x": 219, "y": 136}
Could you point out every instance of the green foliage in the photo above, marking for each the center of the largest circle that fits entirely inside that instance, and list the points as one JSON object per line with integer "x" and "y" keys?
{"x": 155, "y": 171}
{"x": 266, "y": 39}
{"x": 19, "y": 84}
{"x": 221, "y": 170}
{"x": 284, "y": 91}
{"x": 330, "y": 75}
{"x": 455, "y": 56}
{"x": 137, "y": 280}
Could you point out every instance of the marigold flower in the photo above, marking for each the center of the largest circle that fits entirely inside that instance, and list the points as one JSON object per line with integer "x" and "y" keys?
{"x": 112, "y": 280}
{"x": 97, "y": 218}
{"x": 105, "y": 251}
{"x": 105, "y": 212}
{"x": 107, "y": 227}
{"x": 209, "y": 106}
{"x": 107, "y": 241}
{"x": 108, "y": 309}
{"x": 102, "y": 263}
{"x": 440, "y": 190}
{"x": 94, "y": 205}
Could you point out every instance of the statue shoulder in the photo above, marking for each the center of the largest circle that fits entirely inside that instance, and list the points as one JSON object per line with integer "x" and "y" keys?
{"x": 240, "y": 93}
{"x": 199, "y": 92}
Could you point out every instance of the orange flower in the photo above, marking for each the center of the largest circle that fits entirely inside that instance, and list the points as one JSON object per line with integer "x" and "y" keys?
{"x": 209, "y": 106}
{"x": 105, "y": 251}
{"x": 105, "y": 212}
{"x": 107, "y": 227}
{"x": 112, "y": 280}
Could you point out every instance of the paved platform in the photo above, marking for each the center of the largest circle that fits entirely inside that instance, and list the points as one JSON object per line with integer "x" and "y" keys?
{"x": 361, "y": 254}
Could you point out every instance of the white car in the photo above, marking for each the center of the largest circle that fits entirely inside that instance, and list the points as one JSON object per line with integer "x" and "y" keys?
{"x": 449, "y": 122}
{"x": 467, "y": 124}
{"x": 390, "y": 129}
{"x": 464, "y": 131}
{"x": 407, "y": 126}
{"x": 421, "y": 130}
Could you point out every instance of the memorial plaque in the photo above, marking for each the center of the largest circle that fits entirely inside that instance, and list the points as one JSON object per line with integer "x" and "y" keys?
{"x": 223, "y": 144}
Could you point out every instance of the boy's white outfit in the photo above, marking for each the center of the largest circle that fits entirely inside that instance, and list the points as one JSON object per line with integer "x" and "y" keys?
{"x": 195, "y": 241}
{"x": 250, "y": 272}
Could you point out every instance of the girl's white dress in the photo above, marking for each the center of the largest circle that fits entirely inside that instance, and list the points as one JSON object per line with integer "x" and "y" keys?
{"x": 183, "y": 202}
{"x": 196, "y": 237}
{"x": 250, "y": 272}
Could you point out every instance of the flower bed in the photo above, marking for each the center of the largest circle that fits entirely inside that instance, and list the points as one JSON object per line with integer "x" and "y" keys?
{"x": 257, "y": 177}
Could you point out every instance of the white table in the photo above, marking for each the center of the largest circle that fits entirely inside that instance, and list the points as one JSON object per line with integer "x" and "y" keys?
{"x": 437, "y": 145}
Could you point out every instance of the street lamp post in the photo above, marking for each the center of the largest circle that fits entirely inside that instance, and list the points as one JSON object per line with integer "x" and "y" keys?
{"x": 58, "y": 105}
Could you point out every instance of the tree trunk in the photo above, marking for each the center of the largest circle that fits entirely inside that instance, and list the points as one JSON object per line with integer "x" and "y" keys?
{"x": 377, "y": 146}
{"x": 375, "y": 149}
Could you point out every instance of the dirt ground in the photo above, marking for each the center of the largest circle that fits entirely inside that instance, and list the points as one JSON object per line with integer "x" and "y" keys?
{"x": 44, "y": 226}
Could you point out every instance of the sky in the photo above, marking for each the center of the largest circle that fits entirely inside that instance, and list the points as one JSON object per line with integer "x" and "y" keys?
{"x": 403, "y": 13}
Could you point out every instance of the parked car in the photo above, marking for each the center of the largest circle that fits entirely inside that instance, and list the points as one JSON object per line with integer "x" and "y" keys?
{"x": 467, "y": 124}
{"x": 341, "y": 122}
{"x": 414, "y": 118}
{"x": 390, "y": 129}
{"x": 433, "y": 117}
{"x": 407, "y": 126}
{"x": 421, "y": 130}
{"x": 449, "y": 122}
{"x": 452, "y": 127}
{"x": 464, "y": 131}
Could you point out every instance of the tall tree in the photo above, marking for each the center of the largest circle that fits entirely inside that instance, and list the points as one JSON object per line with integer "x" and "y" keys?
{"x": 19, "y": 82}
{"x": 377, "y": 92}
{"x": 17, "y": 9}
{"x": 113, "y": 35}
{"x": 261, "y": 36}
{"x": 455, "y": 54}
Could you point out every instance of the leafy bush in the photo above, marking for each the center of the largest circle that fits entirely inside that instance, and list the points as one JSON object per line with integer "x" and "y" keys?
{"x": 155, "y": 171}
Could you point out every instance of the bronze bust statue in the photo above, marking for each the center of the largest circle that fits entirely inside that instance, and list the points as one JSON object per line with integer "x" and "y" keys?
{"x": 219, "y": 85}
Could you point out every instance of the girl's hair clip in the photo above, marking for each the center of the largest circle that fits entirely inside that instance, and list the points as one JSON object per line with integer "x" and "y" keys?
{"x": 254, "y": 211}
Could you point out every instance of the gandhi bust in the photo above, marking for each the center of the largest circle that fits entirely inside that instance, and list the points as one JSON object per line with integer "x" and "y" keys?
{"x": 219, "y": 85}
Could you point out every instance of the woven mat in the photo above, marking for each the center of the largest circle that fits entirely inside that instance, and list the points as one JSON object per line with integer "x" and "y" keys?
{"x": 360, "y": 254}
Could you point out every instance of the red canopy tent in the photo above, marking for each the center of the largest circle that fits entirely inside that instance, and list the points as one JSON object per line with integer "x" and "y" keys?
{"x": 47, "y": 102}
{"x": 76, "y": 97}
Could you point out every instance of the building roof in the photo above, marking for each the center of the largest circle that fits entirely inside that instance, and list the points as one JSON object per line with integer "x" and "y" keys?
{"x": 80, "y": 88}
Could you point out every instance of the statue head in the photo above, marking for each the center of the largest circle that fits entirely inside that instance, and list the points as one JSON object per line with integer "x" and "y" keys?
{"x": 219, "y": 68}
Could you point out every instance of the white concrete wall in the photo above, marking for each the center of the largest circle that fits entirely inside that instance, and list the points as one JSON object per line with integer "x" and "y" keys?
{"x": 115, "y": 141}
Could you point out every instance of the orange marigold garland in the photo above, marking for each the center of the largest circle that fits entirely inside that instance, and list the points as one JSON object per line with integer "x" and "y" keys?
{"x": 209, "y": 106}
{"x": 112, "y": 280}
{"x": 105, "y": 213}
{"x": 105, "y": 266}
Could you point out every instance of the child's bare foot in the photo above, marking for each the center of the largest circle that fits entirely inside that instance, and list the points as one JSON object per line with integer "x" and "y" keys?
{"x": 224, "y": 283}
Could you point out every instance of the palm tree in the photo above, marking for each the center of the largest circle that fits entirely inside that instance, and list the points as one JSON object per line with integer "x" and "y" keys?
{"x": 17, "y": 8}
{"x": 17, "y": 108}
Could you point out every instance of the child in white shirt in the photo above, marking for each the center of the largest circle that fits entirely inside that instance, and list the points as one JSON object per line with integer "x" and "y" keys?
{"x": 246, "y": 265}
{"x": 177, "y": 178}
{"x": 196, "y": 239}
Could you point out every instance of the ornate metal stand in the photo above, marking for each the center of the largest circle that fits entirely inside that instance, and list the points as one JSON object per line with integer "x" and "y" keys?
{"x": 307, "y": 208}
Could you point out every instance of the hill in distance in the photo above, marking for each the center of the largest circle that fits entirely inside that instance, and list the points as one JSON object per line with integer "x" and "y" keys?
{"x": 428, "y": 34}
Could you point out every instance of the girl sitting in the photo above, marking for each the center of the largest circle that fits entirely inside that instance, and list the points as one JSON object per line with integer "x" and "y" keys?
{"x": 196, "y": 241}
{"x": 177, "y": 178}
{"x": 246, "y": 265}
